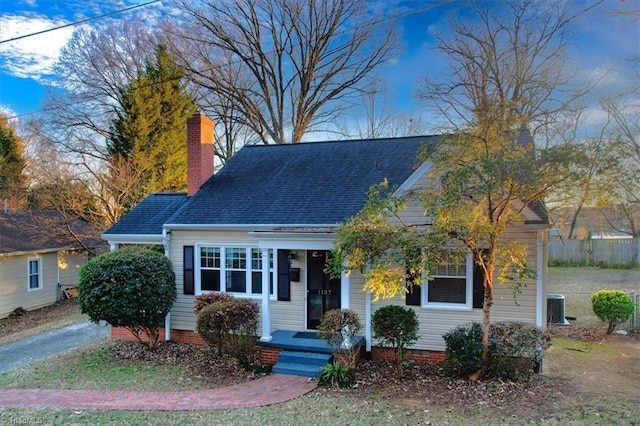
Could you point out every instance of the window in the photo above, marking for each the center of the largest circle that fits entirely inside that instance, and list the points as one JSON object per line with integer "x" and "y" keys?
{"x": 236, "y": 270}
{"x": 451, "y": 286}
{"x": 34, "y": 276}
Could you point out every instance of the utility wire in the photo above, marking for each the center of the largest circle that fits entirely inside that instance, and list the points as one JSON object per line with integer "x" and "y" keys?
{"x": 71, "y": 24}
{"x": 394, "y": 17}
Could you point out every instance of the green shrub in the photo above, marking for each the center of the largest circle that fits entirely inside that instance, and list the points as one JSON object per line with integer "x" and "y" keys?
{"x": 515, "y": 350}
{"x": 133, "y": 288}
{"x": 339, "y": 327}
{"x": 612, "y": 306}
{"x": 395, "y": 327}
{"x": 463, "y": 355}
{"x": 231, "y": 326}
{"x": 337, "y": 375}
{"x": 206, "y": 299}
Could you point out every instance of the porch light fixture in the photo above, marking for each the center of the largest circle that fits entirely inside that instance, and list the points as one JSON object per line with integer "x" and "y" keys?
{"x": 292, "y": 255}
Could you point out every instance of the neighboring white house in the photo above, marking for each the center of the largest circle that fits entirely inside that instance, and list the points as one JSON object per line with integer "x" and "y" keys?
{"x": 35, "y": 262}
{"x": 263, "y": 226}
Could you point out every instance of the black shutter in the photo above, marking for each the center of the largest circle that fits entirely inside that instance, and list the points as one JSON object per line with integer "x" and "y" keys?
{"x": 413, "y": 295}
{"x": 187, "y": 269}
{"x": 284, "y": 283}
{"x": 478, "y": 286}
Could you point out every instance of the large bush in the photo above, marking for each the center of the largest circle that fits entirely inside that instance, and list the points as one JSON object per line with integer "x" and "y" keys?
{"x": 231, "y": 326}
{"x": 133, "y": 288}
{"x": 339, "y": 327}
{"x": 395, "y": 327}
{"x": 613, "y": 307}
{"x": 515, "y": 348}
{"x": 464, "y": 350}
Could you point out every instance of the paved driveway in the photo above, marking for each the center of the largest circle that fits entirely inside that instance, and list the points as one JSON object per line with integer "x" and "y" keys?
{"x": 20, "y": 353}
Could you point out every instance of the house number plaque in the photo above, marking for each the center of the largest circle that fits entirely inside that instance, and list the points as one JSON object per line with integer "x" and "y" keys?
{"x": 322, "y": 292}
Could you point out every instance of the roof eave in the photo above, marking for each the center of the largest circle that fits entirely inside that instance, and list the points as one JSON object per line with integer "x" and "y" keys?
{"x": 38, "y": 251}
{"x": 133, "y": 238}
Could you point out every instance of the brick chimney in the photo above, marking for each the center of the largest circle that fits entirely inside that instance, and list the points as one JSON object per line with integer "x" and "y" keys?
{"x": 200, "y": 151}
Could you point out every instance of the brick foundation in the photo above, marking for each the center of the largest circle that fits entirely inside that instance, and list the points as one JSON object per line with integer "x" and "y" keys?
{"x": 414, "y": 354}
{"x": 269, "y": 356}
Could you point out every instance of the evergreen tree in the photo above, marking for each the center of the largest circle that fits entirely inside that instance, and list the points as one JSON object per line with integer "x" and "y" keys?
{"x": 149, "y": 132}
{"x": 12, "y": 164}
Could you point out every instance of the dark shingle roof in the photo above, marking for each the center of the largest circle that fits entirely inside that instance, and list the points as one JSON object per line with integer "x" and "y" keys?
{"x": 149, "y": 215}
{"x": 301, "y": 184}
{"x": 31, "y": 231}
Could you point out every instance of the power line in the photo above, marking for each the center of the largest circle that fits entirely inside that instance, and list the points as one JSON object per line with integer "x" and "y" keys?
{"x": 390, "y": 18}
{"x": 71, "y": 24}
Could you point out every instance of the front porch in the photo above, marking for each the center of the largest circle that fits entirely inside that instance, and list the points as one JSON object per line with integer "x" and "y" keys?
{"x": 299, "y": 353}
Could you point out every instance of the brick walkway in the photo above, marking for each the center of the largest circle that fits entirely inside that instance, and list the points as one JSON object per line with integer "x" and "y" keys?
{"x": 272, "y": 389}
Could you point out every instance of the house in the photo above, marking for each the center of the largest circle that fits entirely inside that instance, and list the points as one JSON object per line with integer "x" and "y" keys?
{"x": 269, "y": 216}
{"x": 36, "y": 262}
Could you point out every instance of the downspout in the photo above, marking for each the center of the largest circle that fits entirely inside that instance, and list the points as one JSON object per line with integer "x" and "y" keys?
{"x": 166, "y": 239}
{"x": 541, "y": 277}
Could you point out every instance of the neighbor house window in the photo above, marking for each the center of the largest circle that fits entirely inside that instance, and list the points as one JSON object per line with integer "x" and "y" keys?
{"x": 236, "y": 270}
{"x": 34, "y": 274}
{"x": 451, "y": 284}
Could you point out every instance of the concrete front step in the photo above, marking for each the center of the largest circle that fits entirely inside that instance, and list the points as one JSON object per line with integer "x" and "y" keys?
{"x": 305, "y": 364}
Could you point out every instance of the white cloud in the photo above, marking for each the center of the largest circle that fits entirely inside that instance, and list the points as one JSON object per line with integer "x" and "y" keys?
{"x": 34, "y": 56}
{"x": 6, "y": 111}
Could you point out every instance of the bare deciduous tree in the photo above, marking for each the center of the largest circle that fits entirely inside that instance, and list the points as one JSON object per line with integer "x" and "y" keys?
{"x": 623, "y": 201}
{"x": 374, "y": 115}
{"x": 294, "y": 61}
{"x": 507, "y": 68}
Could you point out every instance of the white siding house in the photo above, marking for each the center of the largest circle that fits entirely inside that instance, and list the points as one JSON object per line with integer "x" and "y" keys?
{"x": 263, "y": 226}
{"x": 35, "y": 264}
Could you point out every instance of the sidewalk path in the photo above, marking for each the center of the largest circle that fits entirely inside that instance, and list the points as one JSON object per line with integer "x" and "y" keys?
{"x": 272, "y": 389}
{"x": 18, "y": 354}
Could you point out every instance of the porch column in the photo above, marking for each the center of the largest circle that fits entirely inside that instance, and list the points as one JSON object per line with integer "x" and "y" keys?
{"x": 367, "y": 320}
{"x": 266, "y": 314}
{"x": 344, "y": 291}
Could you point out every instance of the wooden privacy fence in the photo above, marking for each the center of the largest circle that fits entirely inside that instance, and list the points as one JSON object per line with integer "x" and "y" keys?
{"x": 614, "y": 253}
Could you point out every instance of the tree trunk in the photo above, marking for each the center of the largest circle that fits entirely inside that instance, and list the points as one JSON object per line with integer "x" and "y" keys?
{"x": 486, "y": 322}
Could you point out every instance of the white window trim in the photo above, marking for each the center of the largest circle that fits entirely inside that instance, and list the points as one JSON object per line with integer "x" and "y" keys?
{"x": 468, "y": 306}
{"x": 39, "y": 260}
{"x": 223, "y": 269}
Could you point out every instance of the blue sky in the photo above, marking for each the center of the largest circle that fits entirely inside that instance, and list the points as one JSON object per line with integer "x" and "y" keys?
{"x": 606, "y": 42}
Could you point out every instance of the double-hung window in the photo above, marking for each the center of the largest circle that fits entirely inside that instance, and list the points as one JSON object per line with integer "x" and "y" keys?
{"x": 236, "y": 270}
{"x": 451, "y": 284}
{"x": 34, "y": 274}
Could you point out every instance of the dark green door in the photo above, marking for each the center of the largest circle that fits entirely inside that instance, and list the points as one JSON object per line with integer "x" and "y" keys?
{"x": 323, "y": 293}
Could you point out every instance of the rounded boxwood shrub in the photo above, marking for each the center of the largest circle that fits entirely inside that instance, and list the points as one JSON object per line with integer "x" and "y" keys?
{"x": 613, "y": 307}
{"x": 463, "y": 354}
{"x": 134, "y": 287}
{"x": 395, "y": 327}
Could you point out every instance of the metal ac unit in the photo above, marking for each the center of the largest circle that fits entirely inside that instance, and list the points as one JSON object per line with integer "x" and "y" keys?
{"x": 555, "y": 310}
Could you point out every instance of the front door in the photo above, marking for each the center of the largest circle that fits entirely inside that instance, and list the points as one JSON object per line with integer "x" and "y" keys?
{"x": 323, "y": 293}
